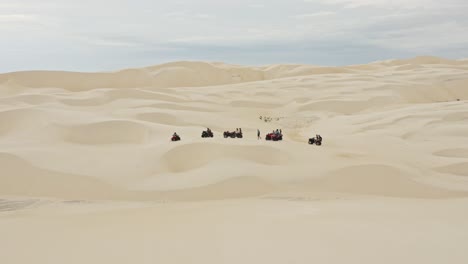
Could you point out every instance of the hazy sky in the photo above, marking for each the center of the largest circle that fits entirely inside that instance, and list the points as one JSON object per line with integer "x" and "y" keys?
{"x": 92, "y": 35}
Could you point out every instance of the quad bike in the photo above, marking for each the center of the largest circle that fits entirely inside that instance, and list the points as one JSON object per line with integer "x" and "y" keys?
{"x": 274, "y": 136}
{"x": 227, "y": 134}
{"x": 206, "y": 134}
{"x": 316, "y": 140}
{"x": 175, "y": 138}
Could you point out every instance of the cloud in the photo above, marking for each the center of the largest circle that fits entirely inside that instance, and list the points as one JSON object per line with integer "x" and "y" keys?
{"x": 394, "y": 4}
{"x": 176, "y": 14}
{"x": 204, "y": 16}
{"x": 315, "y": 15}
{"x": 108, "y": 42}
{"x": 187, "y": 15}
{"x": 16, "y": 18}
{"x": 257, "y": 6}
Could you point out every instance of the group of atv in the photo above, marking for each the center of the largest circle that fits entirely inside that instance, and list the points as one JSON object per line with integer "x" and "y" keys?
{"x": 276, "y": 135}
{"x": 205, "y": 134}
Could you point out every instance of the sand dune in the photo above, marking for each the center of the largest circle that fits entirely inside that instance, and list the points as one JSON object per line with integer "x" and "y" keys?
{"x": 456, "y": 169}
{"x": 375, "y": 179}
{"x": 18, "y": 121}
{"x": 86, "y": 161}
{"x": 460, "y": 153}
{"x": 107, "y": 132}
{"x": 160, "y": 118}
{"x": 265, "y": 155}
{"x": 424, "y": 60}
{"x": 180, "y": 74}
{"x": 23, "y": 178}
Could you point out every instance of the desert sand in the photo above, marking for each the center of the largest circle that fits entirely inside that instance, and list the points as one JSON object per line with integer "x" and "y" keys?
{"x": 89, "y": 174}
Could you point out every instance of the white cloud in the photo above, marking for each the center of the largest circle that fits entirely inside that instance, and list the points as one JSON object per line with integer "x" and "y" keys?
{"x": 392, "y": 4}
{"x": 204, "y": 16}
{"x": 315, "y": 15}
{"x": 186, "y": 15}
{"x": 106, "y": 42}
{"x": 16, "y": 18}
{"x": 256, "y": 5}
{"x": 176, "y": 14}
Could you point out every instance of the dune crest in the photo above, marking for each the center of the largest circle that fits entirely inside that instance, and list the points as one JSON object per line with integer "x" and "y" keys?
{"x": 194, "y": 74}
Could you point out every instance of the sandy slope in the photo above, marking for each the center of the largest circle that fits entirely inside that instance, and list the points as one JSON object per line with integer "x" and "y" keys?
{"x": 89, "y": 175}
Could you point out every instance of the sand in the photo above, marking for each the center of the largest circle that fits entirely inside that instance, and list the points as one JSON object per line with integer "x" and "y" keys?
{"x": 89, "y": 174}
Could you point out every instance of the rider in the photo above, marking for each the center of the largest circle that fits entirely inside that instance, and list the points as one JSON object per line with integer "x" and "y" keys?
{"x": 318, "y": 137}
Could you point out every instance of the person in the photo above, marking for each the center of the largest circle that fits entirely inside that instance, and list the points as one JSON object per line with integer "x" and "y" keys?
{"x": 240, "y": 130}
{"x": 175, "y": 134}
{"x": 258, "y": 133}
{"x": 281, "y": 132}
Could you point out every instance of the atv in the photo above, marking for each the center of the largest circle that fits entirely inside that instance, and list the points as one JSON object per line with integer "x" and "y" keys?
{"x": 316, "y": 140}
{"x": 274, "y": 136}
{"x": 207, "y": 133}
{"x": 227, "y": 134}
{"x": 175, "y": 138}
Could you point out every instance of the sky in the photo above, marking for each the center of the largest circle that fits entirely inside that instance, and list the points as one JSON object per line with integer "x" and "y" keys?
{"x": 106, "y": 35}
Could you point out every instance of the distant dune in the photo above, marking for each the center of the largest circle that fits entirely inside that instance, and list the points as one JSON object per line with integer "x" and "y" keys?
{"x": 195, "y": 74}
{"x": 88, "y": 171}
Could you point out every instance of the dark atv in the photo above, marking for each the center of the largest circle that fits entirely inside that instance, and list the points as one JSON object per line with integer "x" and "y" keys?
{"x": 316, "y": 140}
{"x": 233, "y": 134}
{"x": 229, "y": 134}
{"x": 207, "y": 133}
{"x": 274, "y": 136}
{"x": 175, "y": 138}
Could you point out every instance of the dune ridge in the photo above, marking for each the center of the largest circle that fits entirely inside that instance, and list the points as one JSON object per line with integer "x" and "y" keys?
{"x": 194, "y": 74}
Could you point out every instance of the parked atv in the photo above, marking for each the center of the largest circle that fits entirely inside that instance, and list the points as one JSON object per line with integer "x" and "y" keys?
{"x": 233, "y": 134}
{"x": 227, "y": 134}
{"x": 207, "y": 133}
{"x": 316, "y": 140}
{"x": 175, "y": 138}
{"x": 274, "y": 136}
